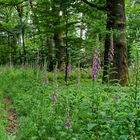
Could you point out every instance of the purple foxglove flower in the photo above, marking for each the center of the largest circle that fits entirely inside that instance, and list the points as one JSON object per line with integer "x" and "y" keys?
{"x": 117, "y": 97}
{"x": 55, "y": 97}
{"x": 46, "y": 81}
{"x": 95, "y": 67}
{"x": 69, "y": 69}
{"x": 78, "y": 79}
{"x": 67, "y": 123}
{"x": 56, "y": 94}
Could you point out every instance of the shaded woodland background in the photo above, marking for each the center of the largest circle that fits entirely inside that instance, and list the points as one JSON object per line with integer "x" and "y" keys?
{"x": 36, "y": 33}
{"x": 69, "y": 69}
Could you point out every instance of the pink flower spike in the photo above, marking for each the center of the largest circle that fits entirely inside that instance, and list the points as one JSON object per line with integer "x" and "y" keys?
{"x": 78, "y": 80}
{"x": 47, "y": 81}
{"x": 67, "y": 123}
{"x": 95, "y": 67}
{"x": 55, "y": 97}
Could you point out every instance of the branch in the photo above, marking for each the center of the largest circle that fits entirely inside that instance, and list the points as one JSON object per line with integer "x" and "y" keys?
{"x": 103, "y": 8}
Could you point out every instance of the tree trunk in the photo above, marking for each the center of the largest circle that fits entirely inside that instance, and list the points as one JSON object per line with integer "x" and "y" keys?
{"x": 23, "y": 45}
{"x": 116, "y": 21}
{"x": 59, "y": 46}
{"x": 13, "y": 49}
{"x": 59, "y": 49}
{"x": 20, "y": 14}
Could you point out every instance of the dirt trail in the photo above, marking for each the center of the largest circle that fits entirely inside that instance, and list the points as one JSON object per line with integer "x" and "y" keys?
{"x": 12, "y": 121}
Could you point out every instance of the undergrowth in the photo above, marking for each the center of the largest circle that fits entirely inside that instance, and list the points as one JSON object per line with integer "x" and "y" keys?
{"x": 95, "y": 111}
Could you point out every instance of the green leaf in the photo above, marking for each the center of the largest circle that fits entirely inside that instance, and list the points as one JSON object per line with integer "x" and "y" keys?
{"x": 123, "y": 137}
{"x": 91, "y": 126}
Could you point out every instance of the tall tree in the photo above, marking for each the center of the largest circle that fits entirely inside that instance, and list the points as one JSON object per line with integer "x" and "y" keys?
{"x": 116, "y": 21}
{"x": 19, "y": 9}
{"x": 59, "y": 46}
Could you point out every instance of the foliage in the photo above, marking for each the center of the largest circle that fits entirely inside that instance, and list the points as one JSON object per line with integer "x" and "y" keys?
{"x": 34, "y": 36}
{"x": 3, "y": 135}
{"x": 95, "y": 111}
{"x": 41, "y": 20}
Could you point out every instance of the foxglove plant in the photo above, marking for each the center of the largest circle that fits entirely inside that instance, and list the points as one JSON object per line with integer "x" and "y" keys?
{"x": 69, "y": 69}
{"x": 117, "y": 97}
{"x": 95, "y": 66}
{"x": 45, "y": 71}
{"x": 47, "y": 81}
{"x": 67, "y": 123}
{"x": 55, "y": 97}
{"x": 79, "y": 75}
{"x": 78, "y": 80}
{"x": 55, "y": 93}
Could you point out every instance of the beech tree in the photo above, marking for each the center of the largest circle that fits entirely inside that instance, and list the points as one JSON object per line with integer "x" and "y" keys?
{"x": 116, "y": 21}
{"x": 34, "y": 32}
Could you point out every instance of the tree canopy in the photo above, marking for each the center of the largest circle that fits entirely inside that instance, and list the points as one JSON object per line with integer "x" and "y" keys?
{"x": 38, "y": 31}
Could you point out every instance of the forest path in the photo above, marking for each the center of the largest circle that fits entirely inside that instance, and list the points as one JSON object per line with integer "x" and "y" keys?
{"x": 12, "y": 121}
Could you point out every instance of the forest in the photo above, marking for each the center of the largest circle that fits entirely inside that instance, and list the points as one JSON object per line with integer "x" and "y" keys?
{"x": 69, "y": 70}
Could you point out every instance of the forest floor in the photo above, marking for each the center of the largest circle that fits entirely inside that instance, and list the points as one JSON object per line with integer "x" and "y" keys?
{"x": 33, "y": 109}
{"x": 12, "y": 121}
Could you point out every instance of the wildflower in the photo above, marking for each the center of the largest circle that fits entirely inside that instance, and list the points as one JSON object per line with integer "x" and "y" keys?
{"x": 67, "y": 123}
{"x": 78, "y": 80}
{"x": 95, "y": 67}
{"x": 55, "y": 97}
{"x": 47, "y": 81}
{"x": 117, "y": 97}
{"x": 69, "y": 69}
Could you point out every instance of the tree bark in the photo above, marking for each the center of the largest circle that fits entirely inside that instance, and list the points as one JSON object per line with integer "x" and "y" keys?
{"x": 59, "y": 45}
{"x": 20, "y": 14}
{"x": 59, "y": 49}
{"x": 116, "y": 21}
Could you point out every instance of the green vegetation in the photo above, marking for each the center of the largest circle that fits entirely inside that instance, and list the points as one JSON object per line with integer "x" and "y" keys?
{"x": 2, "y": 121}
{"x": 85, "y": 111}
{"x": 69, "y": 70}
